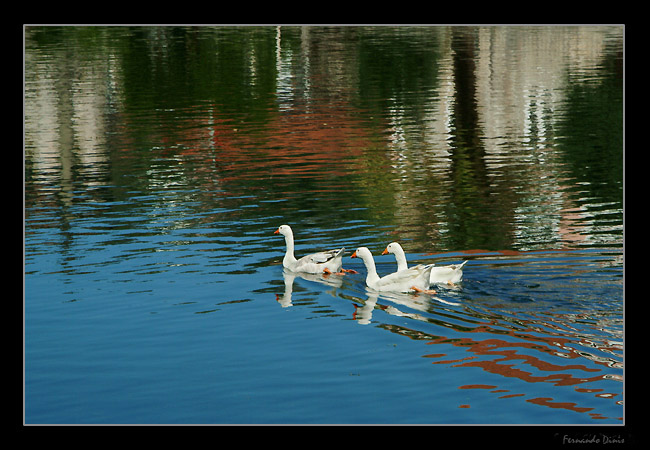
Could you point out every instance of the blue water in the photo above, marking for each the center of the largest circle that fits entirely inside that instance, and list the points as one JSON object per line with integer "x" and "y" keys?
{"x": 179, "y": 328}
{"x": 159, "y": 162}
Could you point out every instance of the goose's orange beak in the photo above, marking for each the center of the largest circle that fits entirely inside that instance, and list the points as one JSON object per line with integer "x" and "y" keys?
{"x": 354, "y": 255}
{"x": 385, "y": 251}
{"x": 277, "y": 231}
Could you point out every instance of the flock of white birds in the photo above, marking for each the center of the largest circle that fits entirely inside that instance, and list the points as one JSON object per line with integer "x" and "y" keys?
{"x": 406, "y": 279}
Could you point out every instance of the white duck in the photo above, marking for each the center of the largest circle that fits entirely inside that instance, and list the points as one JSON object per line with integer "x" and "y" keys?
{"x": 413, "y": 279}
{"x": 321, "y": 262}
{"x": 443, "y": 274}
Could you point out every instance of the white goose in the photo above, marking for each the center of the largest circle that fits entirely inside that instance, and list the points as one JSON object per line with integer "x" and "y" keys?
{"x": 413, "y": 279}
{"x": 321, "y": 262}
{"x": 443, "y": 274}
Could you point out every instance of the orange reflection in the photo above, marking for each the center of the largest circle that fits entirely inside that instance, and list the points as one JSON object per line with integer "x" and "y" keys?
{"x": 477, "y": 386}
{"x": 509, "y": 352}
{"x": 506, "y": 354}
{"x": 547, "y": 401}
{"x": 314, "y": 143}
{"x": 512, "y": 395}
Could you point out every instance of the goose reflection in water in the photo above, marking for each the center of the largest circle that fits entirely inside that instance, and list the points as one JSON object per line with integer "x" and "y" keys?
{"x": 418, "y": 302}
{"x": 289, "y": 277}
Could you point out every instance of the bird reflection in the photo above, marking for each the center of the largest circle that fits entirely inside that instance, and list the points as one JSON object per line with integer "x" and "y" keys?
{"x": 418, "y": 302}
{"x": 334, "y": 281}
{"x": 363, "y": 314}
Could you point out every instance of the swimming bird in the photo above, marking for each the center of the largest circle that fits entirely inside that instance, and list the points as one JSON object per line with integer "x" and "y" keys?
{"x": 439, "y": 275}
{"x": 413, "y": 279}
{"x": 322, "y": 262}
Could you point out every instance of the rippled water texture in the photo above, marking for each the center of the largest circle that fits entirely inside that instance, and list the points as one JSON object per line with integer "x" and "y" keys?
{"x": 160, "y": 160}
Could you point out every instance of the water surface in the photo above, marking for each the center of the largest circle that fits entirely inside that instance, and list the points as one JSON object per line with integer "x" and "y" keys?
{"x": 159, "y": 161}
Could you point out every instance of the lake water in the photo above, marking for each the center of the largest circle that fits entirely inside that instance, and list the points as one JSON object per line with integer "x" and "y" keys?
{"x": 158, "y": 162}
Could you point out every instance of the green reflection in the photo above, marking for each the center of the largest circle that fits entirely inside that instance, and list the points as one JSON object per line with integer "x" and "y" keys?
{"x": 449, "y": 137}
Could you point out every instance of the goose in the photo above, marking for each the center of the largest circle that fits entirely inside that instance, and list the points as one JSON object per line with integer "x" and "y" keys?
{"x": 322, "y": 262}
{"x": 439, "y": 275}
{"x": 413, "y": 279}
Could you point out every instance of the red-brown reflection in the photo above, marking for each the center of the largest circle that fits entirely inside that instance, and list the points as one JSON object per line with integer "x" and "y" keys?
{"x": 477, "y": 386}
{"x": 499, "y": 347}
{"x": 318, "y": 142}
{"x": 314, "y": 143}
{"x": 505, "y": 354}
{"x": 547, "y": 401}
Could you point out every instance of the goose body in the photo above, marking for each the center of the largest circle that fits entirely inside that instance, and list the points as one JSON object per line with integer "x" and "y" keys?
{"x": 439, "y": 275}
{"x": 409, "y": 280}
{"x": 327, "y": 261}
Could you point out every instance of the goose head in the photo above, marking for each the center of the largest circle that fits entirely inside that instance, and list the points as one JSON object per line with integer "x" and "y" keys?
{"x": 361, "y": 252}
{"x": 284, "y": 230}
{"x": 393, "y": 247}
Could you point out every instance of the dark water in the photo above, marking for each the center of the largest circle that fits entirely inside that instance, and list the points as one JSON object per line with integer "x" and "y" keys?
{"x": 159, "y": 161}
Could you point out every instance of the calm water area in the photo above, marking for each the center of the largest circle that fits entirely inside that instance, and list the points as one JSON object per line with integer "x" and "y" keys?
{"x": 158, "y": 162}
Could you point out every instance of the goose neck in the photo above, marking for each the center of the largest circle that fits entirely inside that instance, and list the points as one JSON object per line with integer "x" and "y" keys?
{"x": 369, "y": 261}
{"x": 400, "y": 257}
{"x": 289, "y": 255}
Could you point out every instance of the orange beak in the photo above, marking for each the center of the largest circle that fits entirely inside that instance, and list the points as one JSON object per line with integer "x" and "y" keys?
{"x": 385, "y": 251}
{"x": 277, "y": 231}
{"x": 354, "y": 255}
